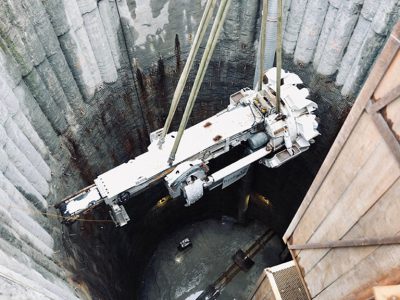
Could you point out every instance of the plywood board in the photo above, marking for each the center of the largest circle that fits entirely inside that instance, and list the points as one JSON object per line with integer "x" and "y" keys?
{"x": 387, "y": 292}
{"x": 390, "y": 80}
{"x": 382, "y": 220}
{"x": 357, "y": 150}
{"x": 371, "y": 182}
{"x": 383, "y": 262}
{"x": 263, "y": 290}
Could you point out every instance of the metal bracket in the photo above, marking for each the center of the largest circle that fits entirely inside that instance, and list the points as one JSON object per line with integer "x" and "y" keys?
{"x": 119, "y": 215}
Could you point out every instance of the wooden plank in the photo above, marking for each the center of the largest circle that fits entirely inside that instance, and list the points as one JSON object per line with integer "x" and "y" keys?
{"x": 263, "y": 289}
{"x": 391, "y": 277}
{"x": 384, "y": 101}
{"x": 383, "y": 261}
{"x": 301, "y": 274}
{"x": 274, "y": 287}
{"x": 387, "y": 292}
{"x": 385, "y": 58}
{"x": 380, "y": 220}
{"x": 367, "y": 187}
{"x": 391, "y": 116}
{"x": 357, "y": 150}
{"x": 390, "y": 80}
{"x": 387, "y": 134}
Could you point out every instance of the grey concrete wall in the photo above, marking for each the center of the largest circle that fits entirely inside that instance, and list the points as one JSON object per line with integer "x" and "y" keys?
{"x": 340, "y": 38}
{"x": 83, "y": 82}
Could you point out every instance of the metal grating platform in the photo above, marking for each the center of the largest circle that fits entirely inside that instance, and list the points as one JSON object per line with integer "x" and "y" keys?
{"x": 281, "y": 282}
{"x": 286, "y": 282}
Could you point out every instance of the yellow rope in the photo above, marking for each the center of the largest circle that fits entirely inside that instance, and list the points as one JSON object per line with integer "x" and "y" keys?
{"x": 56, "y": 216}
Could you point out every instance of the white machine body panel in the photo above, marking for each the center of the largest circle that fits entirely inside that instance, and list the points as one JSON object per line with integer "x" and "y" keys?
{"x": 272, "y": 138}
{"x": 195, "y": 141}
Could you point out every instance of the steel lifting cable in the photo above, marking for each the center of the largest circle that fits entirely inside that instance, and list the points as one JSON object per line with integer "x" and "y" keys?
{"x": 212, "y": 41}
{"x": 55, "y": 215}
{"x": 262, "y": 42}
{"x": 278, "y": 50}
{"x": 279, "y": 57}
{"x": 205, "y": 20}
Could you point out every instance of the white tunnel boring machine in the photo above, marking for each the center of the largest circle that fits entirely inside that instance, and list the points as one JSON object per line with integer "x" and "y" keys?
{"x": 275, "y": 120}
{"x": 273, "y": 138}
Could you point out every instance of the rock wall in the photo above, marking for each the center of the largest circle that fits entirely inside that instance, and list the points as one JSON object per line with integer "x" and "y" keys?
{"x": 83, "y": 83}
{"x": 340, "y": 38}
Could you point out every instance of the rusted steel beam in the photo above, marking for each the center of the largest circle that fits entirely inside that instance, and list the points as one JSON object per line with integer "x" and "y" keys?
{"x": 349, "y": 243}
{"x": 214, "y": 290}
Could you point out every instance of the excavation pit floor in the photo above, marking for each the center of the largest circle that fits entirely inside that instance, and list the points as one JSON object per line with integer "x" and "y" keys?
{"x": 172, "y": 274}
